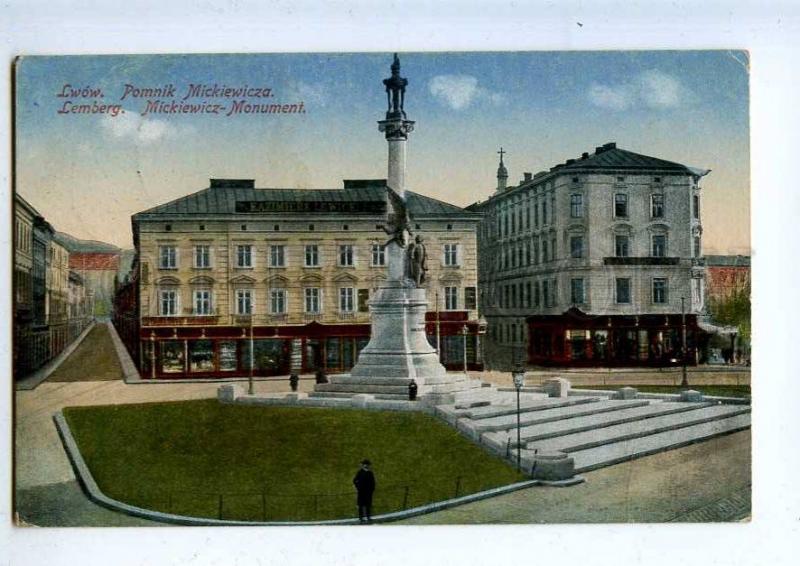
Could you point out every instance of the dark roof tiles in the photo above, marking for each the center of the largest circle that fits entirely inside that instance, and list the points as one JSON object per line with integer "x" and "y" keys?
{"x": 223, "y": 200}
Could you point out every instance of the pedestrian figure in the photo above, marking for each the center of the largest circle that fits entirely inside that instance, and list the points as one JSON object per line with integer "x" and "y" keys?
{"x": 364, "y": 482}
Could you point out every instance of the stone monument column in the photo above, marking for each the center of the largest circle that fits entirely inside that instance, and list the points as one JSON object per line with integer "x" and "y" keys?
{"x": 398, "y": 347}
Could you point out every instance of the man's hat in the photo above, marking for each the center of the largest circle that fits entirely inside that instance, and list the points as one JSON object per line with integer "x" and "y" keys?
{"x": 366, "y": 462}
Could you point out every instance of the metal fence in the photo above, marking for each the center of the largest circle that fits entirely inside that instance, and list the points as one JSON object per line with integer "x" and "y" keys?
{"x": 271, "y": 505}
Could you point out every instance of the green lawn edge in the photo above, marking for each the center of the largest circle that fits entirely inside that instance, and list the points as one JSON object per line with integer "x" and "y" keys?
{"x": 211, "y": 460}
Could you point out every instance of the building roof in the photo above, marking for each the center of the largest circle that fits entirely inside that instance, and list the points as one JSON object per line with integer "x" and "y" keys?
{"x": 609, "y": 156}
{"x": 221, "y": 199}
{"x": 605, "y": 157}
{"x": 94, "y": 261}
{"x": 727, "y": 260}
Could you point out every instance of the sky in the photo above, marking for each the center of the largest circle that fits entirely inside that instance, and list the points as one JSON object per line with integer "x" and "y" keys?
{"x": 88, "y": 173}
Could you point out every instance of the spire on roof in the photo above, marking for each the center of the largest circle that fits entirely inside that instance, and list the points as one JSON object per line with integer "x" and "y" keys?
{"x": 502, "y": 172}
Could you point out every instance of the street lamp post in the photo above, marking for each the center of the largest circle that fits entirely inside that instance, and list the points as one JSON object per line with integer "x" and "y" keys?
{"x": 519, "y": 381}
{"x": 464, "y": 331}
{"x": 252, "y": 355}
{"x": 684, "y": 378}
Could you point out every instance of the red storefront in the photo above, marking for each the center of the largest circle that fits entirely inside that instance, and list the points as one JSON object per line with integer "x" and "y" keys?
{"x": 577, "y": 339}
{"x": 195, "y": 347}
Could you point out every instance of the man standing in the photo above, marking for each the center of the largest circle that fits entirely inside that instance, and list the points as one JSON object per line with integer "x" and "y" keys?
{"x": 364, "y": 481}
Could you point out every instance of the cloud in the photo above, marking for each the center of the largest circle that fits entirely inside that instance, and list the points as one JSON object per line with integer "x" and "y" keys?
{"x": 461, "y": 91}
{"x": 132, "y": 126}
{"x": 650, "y": 89}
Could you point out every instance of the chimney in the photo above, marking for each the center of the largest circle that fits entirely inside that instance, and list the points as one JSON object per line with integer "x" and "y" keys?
{"x": 599, "y": 149}
{"x": 610, "y": 145}
{"x": 528, "y": 176}
{"x": 585, "y": 155}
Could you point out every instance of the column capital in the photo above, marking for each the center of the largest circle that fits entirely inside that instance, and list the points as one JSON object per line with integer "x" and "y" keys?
{"x": 396, "y": 129}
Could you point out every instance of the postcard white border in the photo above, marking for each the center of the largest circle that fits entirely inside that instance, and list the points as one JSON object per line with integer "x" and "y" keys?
{"x": 771, "y": 35}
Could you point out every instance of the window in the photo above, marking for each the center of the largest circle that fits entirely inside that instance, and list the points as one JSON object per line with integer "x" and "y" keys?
{"x": 513, "y": 296}
{"x": 277, "y": 301}
{"x": 657, "y": 206}
{"x": 451, "y": 254}
{"x": 576, "y": 246}
{"x": 527, "y": 253}
{"x": 244, "y": 256}
{"x": 346, "y": 255}
{"x": 363, "y": 298}
{"x": 168, "y": 257}
{"x": 544, "y": 212}
{"x": 696, "y": 206}
{"x": 544, "y": 251}
{"x": 576, "y": 206}
{"x": 202, "y": 257}
{"x": 346, "y": 299}
{"x": 623, "y": 290}
{"x": 697, "y": 246}
{"x": 553, "y": 253}
{"x": 451, "y": 298}
{"x": 621, "y": 205}
{"x": 311, "y": 300}
{"x": 470, "y": 298}
{"x": 621, "y": 245}
{"x": 536, "y": 215}
{"x": 659, "y": 248}
{"x": 546, "y": 292}
{"x": 244, "y": 301}
{"x": 312, "y": 255}
{"x": 577, "y": 292}
{"x": 378, "y": 254}
{"x": 536, "y": 297}
{"x": 536, "y": 252}
{"x": 168, "y": 302}
{"x": 277, "y": 256}
{"x": 659, "y": 290}
{"x": 528, "y": 294}
{"x": 202, "y": 301}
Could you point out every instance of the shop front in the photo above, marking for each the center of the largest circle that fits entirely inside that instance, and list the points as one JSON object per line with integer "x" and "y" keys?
{"x": 577, "y": 339}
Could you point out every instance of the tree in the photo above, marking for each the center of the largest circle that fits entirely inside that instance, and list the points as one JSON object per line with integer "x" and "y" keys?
{"x": 733, "y": 309}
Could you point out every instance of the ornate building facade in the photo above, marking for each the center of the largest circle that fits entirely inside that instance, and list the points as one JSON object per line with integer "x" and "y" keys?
{"x": 286, "y": 274}
{"x": 593, "y": 262}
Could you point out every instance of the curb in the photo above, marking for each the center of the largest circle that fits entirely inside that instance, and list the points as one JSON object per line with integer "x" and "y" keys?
{"x": 33, "y": 380}
{"x": 94, "y": 493}
{"x": 125, "y": 361}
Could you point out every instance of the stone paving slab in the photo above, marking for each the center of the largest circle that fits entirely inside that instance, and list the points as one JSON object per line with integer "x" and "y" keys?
{"x": 592, "y": 422}
{"x": 508, "y": 421}
{"x": 635, "y": 429}
{"x": 609, "y": 454}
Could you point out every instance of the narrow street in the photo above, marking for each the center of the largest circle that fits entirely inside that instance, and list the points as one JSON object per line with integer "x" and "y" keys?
{"x": 665, "y": 487}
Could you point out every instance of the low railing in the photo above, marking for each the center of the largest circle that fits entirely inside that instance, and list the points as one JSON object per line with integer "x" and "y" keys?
{"x": 268, "y": 504}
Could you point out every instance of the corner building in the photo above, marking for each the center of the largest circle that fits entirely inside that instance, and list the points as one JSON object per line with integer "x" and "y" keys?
{"x": 587, "y": 263}
{"x": 289, "y": 271}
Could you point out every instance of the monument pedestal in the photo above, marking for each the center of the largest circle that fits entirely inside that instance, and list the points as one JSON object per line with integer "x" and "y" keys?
{"x": 399, "y": 352}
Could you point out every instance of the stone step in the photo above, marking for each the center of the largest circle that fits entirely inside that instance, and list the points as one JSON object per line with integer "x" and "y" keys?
{"x": 345, "y": 395}
{"x": 544, "y": 415}
{"x": 636, "y": 429}
{"x": 592, "y": 422}
{"x": 609, "y": 454}
{"x": 353, "y": 380}
{"x": 354, "y": 388}
{"x": 509, "y": 406}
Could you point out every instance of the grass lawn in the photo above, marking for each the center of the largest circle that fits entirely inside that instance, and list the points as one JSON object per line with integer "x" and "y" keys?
{"x": 206, "y": 459}
{"x": 720, "y": 390}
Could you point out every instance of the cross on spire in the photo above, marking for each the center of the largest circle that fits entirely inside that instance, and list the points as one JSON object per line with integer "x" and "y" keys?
{"x": 501, "y": 152}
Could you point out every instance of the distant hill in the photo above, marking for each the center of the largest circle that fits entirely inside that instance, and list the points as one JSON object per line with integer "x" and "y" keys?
{"x": 74, "y": 244}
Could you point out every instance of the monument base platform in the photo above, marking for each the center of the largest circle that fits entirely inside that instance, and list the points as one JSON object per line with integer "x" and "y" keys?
{"x": 435, "y": 390}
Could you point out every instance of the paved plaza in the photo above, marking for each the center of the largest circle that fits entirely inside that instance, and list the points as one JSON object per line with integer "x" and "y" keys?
{"x": 670, "y": 486}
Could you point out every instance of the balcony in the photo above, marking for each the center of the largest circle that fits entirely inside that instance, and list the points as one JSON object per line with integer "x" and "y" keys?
{"x": 199, "y": 320}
